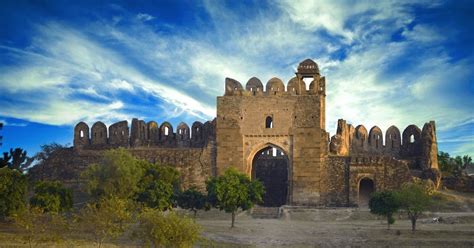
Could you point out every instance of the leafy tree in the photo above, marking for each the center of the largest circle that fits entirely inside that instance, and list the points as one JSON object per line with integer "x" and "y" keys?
{"x": 467, "y": 162}
{"x": 38, "y": 226}
{"x": 51, "y": 196}
{"x": 13, "y": 188}
{"x": 16, "y": 160}
{"x": 42, "y": 167}
{"x": 166, "y": 229}
{"x": 106, "y": 219}
{"x": 117, "y": 175}
{"x": 157, "y": 186}
{"x": 453, "y": 166}
{"x": 193, "y": 200}
{"x": 415, "y": 200}
{"x": 385, "y": 203}
{"x": 232, "y": 191}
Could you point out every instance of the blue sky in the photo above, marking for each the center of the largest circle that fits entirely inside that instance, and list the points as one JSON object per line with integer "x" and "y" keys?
{"x": 385, "y": 62}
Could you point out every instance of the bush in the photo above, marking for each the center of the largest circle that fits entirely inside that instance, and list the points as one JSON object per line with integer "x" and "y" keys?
{"x": 116, "y": 176}
{"x": 13, "y": 187}
{"x": 384, "y": 203}
{"x": 38, "y": 226}
{"x": 51, "y": 196}
{"x": 106, "y": 219}
{"x": 193, "y": 200}
{"x": 158, "y": 186}
{"x": 166, "y": 229}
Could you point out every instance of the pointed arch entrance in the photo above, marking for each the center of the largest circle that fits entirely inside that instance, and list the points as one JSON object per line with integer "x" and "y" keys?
{"x": 366, "y": 188}
{"x": 270, "y": 165}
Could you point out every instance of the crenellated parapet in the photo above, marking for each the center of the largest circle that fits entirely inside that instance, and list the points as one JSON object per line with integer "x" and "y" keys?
{"x": 413, "y": 144}
{"x": 275, "y": 86}
{"x": 143, "y": 134}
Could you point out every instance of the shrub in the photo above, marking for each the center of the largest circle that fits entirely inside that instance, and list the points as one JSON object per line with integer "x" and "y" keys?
{"x": 193, "y": 200}
{"x": 51, "y": 196}
{"x": 13, "y": 187}
{"x": 157, "y": 186}
{"x": 116, "y": 176}
{"x": 106, "y": 219}
{"x": 166, "y": 229}
{"x": 38, "y": 226}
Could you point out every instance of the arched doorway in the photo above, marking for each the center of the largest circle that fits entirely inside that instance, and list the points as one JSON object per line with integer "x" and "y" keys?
{"x": 270, "y": 166}
{"x": 366, "y": 188}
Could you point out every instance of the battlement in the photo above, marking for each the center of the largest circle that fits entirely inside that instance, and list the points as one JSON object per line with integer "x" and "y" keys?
{"x": 143, "y": 134}
{"x": 275, "y": 86}
{"x": 412, "y": 144}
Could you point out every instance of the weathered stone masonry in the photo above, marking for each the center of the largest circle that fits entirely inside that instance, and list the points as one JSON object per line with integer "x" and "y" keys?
{"x": 321, "y": 171}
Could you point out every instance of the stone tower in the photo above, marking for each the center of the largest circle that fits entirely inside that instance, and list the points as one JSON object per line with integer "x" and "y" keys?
{"x": 290, "y": 121}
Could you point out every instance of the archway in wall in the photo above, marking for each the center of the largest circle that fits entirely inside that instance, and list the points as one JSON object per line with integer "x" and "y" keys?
{"x": 366, "y": 188}
{"x": 270, "y": 166}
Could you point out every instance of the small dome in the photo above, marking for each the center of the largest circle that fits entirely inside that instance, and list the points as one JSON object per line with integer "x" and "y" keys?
{"x": 275, "y": 84}
{"x": 308, "y": 66}
{"x": 254, "y": 84}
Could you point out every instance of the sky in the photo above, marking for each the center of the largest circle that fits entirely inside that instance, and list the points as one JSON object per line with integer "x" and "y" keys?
{"x": 385, "y": 62}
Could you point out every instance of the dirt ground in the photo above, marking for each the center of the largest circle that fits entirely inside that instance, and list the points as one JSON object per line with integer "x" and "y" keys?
{"x": 341, "y": 228}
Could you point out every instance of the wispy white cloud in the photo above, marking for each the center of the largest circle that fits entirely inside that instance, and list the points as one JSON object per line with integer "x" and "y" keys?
{"x": 145, "y": 17}
{"x": 371, "y": 79}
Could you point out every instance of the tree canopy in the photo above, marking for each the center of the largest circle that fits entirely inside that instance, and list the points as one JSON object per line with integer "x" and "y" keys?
{"x": 157, "y": 186}
{"x": 234, "y": 190}
{"x": 453, "y": 165}
{"x": 13, "y": 188}
{"x": 384, "y": 203}
{"x": 117, "y": 175}
{"x": 15, "y": 159}
{"x": 414, "y": 199}
{"x": 193, "y": 200}
{"x": 51, "y": 196}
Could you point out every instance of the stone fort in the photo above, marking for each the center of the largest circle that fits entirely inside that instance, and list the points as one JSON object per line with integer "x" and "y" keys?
{"x": 275, "y": 134}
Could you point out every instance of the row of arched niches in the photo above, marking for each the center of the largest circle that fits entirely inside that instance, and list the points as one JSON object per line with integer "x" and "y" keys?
{"x": 143, "y": 134}
{"x": 407, "y": 144}
{"x": 275, "y": 86}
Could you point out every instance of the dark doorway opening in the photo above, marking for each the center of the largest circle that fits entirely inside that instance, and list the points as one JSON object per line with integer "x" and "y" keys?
{"x": 270, "y": 166}
{"x": 366, "y": 188}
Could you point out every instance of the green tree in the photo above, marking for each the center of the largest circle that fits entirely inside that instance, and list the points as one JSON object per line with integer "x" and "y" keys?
{"x": 16, "y": 159}
{"x": 232, "y": 191}
{"x": 193, "y": 200}
{"x": 414, "y": 200}
{"x": 117, "y": 175}
{"x": 43, "y": 168}
{"x": 51, "y": 196}
{"x": 38, "y": 227}
{"x": 466, "y": 162}
{"x": 161, "y": 229}
{"x": 157, "y": 186}
{"x": 106, "y": 219}
{"x": 384, "y": 203}
{"x": 13, "y": 188}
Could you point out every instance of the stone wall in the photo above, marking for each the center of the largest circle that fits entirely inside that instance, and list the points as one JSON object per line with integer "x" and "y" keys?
{"x": 345, "y": 173}
{"x": 195, "y": 165}
{"x": 418, "y": 147}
